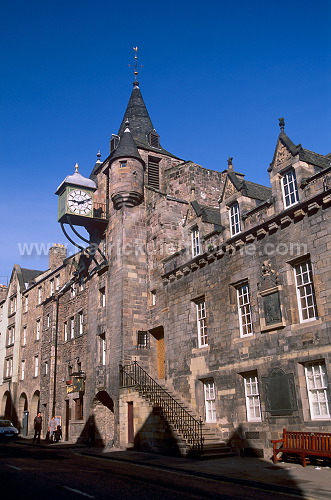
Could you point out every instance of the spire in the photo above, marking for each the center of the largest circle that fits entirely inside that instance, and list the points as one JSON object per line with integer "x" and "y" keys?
{"x": 136, "y": 112}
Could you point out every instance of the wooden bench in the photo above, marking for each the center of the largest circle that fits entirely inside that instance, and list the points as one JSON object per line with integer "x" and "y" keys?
{"x": 303, "y": 444}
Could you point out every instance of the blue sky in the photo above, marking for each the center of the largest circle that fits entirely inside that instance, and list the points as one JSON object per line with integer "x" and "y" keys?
{"x": 216, "y": 77}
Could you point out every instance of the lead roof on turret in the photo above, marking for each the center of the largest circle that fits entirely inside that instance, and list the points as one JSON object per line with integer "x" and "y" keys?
{"x": 77, "y": 179}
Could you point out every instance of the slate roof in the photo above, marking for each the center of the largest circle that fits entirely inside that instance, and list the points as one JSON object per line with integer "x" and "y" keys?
{"x": 140, "y": 126}
{"x": 140, "y": 123}
{"x": 315, "y": 158}
{"x": 28, "y": 275}
{"x": 126, "y": 148}
{"x": 249, "y": 189}
{"x": 211, "y": 215}
{"x": 257, "y": 191}
{"x": 25, "y": 276}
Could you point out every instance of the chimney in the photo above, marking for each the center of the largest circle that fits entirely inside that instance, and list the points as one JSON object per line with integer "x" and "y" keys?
{"x": 56, "y": 256}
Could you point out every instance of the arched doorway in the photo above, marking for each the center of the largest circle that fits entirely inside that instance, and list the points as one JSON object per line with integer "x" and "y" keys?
{"x": 23, "y": 413}
{"x": 7, "y": 406}
{"x": 35, "y": 408}
{"x": 103, "y": 416}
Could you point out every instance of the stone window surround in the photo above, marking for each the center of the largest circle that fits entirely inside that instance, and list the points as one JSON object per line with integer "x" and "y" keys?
{"x": 245, "y": 308}
{"x": 304, "y": 390}
{"x": 293, "y": 263}
{"x": 209, "y": 400}
{"x": 10, "y": 335}
{"x": 255, "y": 395}
{"x": 201, "y": 315}
{"x": 8, "y": 367}
{"x": 234, "y": 218}
{"x": 195, "y": 241}
{"x": 288, "y": 174}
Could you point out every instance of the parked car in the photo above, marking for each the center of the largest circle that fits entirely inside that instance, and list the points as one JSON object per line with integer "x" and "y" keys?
{"x": 7, "y": 430}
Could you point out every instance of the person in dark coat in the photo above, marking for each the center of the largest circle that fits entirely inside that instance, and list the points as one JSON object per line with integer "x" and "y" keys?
{"x": 58, "y": 434}
{"x": 38, "y": 423}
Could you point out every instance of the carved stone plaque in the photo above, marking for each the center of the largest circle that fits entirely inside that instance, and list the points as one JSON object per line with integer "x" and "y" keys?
{"x": 280, "y": 393}
{"x": 271, "y": 308}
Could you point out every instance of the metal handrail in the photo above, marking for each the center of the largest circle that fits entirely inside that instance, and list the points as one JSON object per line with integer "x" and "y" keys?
{"x": 176, "y": 415}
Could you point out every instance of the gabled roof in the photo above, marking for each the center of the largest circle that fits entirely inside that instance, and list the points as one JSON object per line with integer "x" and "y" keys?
{"x": 247, "y": 188}
{"x": 24, "y": 276}
{"x": 304, "y": 154}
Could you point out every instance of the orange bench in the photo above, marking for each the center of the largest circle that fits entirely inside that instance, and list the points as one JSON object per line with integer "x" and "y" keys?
{"x": 303, "y": 444}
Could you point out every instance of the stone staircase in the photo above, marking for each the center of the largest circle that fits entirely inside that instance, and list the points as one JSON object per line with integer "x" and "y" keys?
{"x": 213, "y": 445}
{"x": 194, "y": 438}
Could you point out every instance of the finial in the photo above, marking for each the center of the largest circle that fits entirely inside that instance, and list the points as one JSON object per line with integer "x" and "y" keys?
{"x": 230, "y": 164}
{"x": 127, "y": 123}
{"x": 98, "y": 155}
{"x": 76, "y": 168}
{"x": 281, "y": 124}
{"x": 135, "y": 66}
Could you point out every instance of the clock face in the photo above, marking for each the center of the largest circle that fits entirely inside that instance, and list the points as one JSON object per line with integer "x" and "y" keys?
{"x": 79, "y": 202}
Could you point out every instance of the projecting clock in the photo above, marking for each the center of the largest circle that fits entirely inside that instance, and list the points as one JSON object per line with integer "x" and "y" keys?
{"x": 79, "y": 202}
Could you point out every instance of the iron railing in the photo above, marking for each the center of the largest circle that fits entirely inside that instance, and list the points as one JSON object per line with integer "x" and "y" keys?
{"x": 175, "y": 414}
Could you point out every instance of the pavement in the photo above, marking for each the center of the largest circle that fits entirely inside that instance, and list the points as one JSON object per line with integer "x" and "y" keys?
{"x": 309, "y": 483}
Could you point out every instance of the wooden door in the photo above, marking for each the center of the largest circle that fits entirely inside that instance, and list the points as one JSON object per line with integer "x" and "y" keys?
{"x": 160, "y": 357}
{"x": 67, "y": 418}
{"x": 130, "y": 422}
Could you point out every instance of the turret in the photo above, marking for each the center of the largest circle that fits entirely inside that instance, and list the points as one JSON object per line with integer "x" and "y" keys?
{"x": 126, "y": 179}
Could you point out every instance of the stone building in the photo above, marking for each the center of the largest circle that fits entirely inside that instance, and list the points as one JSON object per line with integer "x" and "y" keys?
{"x": 199, "y": 311}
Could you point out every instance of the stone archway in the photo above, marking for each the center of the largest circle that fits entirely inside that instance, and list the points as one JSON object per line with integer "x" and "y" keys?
{"x": 103, "y": 414}
{"x": 6, "y": 406}
{"x": 23, "y": 413}
{"x": 34, "y": 409}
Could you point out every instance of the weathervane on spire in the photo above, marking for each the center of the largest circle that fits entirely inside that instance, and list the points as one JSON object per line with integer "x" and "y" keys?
{"x": 136, "y": 66}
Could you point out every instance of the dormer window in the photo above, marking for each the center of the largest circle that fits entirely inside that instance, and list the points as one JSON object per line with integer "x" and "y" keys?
{"x": 123, "y": 164}
{"x": 234, "y": 215}
{"x": 114, "y": 140}
{"x": 154, "y": 139}
{"x": 290, "y": 188}
{"x": 195, "y": 237}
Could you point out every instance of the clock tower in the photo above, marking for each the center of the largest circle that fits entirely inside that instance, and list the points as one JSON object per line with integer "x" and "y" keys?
{"x": 76, "y": 200}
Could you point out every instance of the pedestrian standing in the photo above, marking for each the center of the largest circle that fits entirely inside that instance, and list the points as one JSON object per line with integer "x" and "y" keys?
{"x": 38, "y": 423}
{"x": 52, "y": 428}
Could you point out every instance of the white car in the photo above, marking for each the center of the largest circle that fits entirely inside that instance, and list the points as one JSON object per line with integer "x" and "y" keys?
{"x": 7, "y": 430}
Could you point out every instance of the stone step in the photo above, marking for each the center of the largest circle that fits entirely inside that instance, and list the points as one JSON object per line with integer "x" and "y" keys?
{"x": 213, "y": 446}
